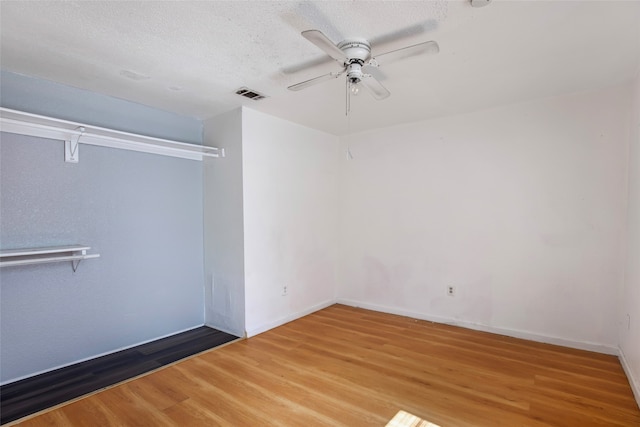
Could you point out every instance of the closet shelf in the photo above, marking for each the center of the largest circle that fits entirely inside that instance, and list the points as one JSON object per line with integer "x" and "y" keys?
{"x": 23, "y": 123}
{"x": 73, "y": 253}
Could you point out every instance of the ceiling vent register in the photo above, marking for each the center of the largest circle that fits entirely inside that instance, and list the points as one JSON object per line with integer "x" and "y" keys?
{"x": 251, "y": 94}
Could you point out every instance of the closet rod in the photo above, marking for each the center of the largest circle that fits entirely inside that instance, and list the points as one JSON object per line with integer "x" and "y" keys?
{"x": 20, "y": 122}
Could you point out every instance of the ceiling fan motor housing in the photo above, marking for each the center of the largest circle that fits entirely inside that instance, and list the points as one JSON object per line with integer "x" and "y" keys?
{"x": 357, "y": 51}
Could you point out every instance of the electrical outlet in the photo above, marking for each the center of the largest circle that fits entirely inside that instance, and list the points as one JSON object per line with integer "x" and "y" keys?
{"x": 451, "y": 291}
{"x": 285, "y": 290}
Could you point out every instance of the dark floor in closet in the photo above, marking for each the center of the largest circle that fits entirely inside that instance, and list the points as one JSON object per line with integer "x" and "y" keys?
{"x": 34, "y": 394}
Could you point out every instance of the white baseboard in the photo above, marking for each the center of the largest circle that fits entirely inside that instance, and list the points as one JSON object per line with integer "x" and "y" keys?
{"x": 633, "y": 381}
{"x": 251, "y": 332}
{"x": 599, "y": 348}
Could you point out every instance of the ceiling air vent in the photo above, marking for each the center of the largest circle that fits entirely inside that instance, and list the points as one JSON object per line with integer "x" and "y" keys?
{"x": 251, "y": 94}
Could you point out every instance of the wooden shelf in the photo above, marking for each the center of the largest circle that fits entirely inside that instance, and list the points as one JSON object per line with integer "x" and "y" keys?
{"x": 27, "y": 256}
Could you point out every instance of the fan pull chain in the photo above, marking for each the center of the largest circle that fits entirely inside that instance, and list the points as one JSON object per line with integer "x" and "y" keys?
{"x": 348, "y": 97}
{"x": 348, "y": 138}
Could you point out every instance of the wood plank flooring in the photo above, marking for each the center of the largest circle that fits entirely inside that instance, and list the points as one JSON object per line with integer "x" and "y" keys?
{"x": 344, "y": 366}
{"x": 34, "y": 394}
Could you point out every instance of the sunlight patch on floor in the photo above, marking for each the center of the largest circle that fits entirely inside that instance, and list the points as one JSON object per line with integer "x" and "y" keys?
{"x": 405, "y": 419}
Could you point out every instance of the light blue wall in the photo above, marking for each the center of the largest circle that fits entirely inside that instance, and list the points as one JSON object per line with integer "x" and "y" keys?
{"x": 142, "y": 212}
{"x": 47, "y": 98}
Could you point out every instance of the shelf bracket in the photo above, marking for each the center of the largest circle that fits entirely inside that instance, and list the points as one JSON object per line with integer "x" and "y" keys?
{"x": 76, "y": 262}
{"x": 71, "y": 146}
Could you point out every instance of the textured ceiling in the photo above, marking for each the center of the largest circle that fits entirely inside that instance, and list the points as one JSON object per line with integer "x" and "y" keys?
{"x": 189, "y": 57}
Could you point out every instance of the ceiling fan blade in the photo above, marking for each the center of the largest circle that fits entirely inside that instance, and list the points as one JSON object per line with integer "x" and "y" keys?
{"x": 305, "y": 84}
{"x": 319, "y": 39}
{"x": 429, "y": 47}
{"x": 410, "y": 31}
{"x": 312, "y": 63}
{"x": 375, "y": 72}
{"x": 375, "y": 87}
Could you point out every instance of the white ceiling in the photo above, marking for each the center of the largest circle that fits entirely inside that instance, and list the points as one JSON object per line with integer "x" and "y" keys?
{"x": 189, "y": 57}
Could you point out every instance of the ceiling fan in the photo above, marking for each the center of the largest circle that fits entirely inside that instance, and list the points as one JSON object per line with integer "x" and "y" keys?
{"x": 356, "y": 60}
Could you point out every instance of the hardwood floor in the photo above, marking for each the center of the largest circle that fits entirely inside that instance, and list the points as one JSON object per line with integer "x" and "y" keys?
{"x": 353, "y": 367}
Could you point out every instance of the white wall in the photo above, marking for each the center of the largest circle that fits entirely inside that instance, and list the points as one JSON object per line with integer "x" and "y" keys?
{"x": 521, "y": 208}
{"x": 630, "y": 309}
{"x": 223, "y": 225}
{"x": 290, "y": 219}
